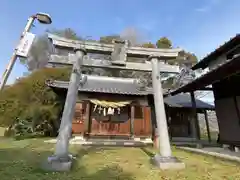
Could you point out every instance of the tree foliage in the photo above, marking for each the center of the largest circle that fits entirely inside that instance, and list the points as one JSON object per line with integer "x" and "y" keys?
{"x": 109, "y": 39}
{"x": 189, "y": 59}
{"x": 184, "y": 60}
{"x": 148, "y": 45}
{"x": 67, "y": 33}
{"x": 164, "y": 43}
{"x": 30, "y": 99}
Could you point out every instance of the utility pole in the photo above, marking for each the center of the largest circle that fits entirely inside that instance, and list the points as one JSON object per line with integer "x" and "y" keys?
{"x": 42, "y": 18}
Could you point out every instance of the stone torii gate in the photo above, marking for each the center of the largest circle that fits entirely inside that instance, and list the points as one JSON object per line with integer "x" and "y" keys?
{"x": 120, "y": 53}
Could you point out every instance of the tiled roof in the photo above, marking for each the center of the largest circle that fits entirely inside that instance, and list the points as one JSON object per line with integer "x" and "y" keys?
{"x": 184, "y": 100}
{"x": 103, "y": 84}
{"x": 127, "y": 86}
{"x": 233, "y": 42}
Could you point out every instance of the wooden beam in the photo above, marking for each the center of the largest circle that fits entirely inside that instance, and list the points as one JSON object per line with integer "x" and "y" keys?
{"x": 87, "y": 118}
{"x": 206, "y": 89}
{"x": 90, "y": 118}
{"x": 96, "y": 47}
{"x": 207, "y": 125}
{"x": 56, "y": 60}
{"x": 196, "y": 123}
{"x": 132, "y": 120}
{"x": 169, "y": 118}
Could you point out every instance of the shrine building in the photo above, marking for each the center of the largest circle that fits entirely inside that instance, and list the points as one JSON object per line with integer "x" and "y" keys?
{"x": 113, "y": 107}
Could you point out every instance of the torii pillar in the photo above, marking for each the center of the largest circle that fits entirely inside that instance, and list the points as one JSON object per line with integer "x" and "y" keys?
{"x": 62, "y": 160}
{"x": 164, "y": 160}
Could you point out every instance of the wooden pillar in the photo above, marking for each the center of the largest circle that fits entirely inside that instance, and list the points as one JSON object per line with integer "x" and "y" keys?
{"x": 169, "y": 122}
{"x": 207, "y": 125}
{"x": 154, "y": 127}
{"x": 90, "y": 118}
{"x": 87, "y": 118}
{"x": 147, "y": 120}
{"x": 132, "y": 120}
{"x": 143, "y": 121}
{"x": 195, "y": 117}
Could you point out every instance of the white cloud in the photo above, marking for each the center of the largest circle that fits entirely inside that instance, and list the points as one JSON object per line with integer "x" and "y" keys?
{"x": 208, "y": 6}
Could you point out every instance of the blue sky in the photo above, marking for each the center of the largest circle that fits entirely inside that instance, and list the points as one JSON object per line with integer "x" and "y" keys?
{"x": 197, "y": 26}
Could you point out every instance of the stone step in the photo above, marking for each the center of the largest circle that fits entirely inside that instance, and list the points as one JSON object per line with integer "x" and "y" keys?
{"x": 116, "y": 142}
{"x": 136, "y": 142}
{"x": 110, "y": 137}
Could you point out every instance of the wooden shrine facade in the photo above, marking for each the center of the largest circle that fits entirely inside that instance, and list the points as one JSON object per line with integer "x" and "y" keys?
{"x": 134, "y": 122}
{"x": 109, "y": 106}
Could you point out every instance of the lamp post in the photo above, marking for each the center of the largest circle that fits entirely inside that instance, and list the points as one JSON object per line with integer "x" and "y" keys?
{"x": 42, "y": 18}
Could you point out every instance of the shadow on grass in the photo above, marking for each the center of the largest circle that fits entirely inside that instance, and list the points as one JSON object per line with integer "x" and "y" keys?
{"x": 148, "y": 152}
{"x": 25, "y": 163}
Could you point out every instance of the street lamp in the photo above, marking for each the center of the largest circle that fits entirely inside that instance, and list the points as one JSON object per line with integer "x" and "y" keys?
{"x": 43, "y": 18}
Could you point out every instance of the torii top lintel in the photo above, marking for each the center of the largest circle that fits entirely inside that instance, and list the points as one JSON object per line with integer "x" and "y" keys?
{"x": 101, "y": 48}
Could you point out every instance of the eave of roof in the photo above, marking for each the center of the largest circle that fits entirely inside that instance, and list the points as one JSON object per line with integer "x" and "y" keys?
{"x": 178, "y": 101}
{"x": 217, "y": 52}
{"x": 103, "y": 84}
{"x": 184, "y": 100}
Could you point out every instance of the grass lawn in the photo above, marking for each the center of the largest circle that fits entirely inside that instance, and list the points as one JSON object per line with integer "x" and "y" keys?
{"x": 22, "y": 160}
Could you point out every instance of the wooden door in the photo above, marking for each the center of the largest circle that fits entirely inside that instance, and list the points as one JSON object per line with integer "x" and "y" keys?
{"x": 142, "y": 126}
{"x": 78, "y": 119}
{"x": 115, "y": 125}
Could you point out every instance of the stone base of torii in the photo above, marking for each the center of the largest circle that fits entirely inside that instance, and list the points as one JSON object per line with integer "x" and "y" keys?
{"x": 62, "y": 160}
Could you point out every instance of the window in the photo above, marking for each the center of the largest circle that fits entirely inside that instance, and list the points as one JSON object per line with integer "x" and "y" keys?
{"x": 79, "y": 111}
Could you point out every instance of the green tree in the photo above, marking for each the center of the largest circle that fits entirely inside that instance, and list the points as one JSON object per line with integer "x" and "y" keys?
{"x": 67, "y": 33}
{"x": 31, "y": 99}
{"x": 187, "y": 58}
{"x": 109, "y": 39}
{"x": 164, "y": 43}
{"x": 148, "y": 45}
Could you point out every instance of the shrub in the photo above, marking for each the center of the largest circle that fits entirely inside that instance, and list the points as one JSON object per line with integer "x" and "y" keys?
{"x": 31, "y": 100}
